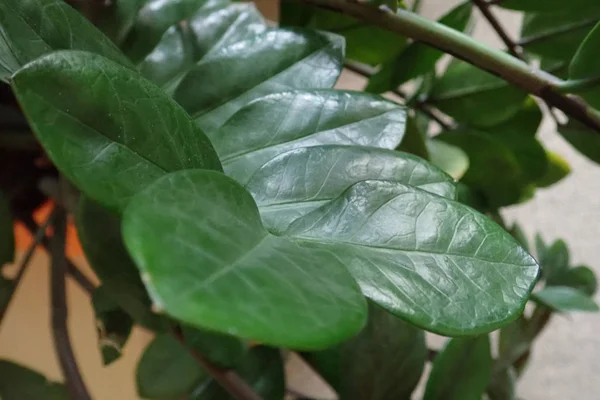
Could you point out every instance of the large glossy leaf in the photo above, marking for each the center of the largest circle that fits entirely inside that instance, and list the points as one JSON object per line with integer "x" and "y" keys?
{"x": 585, "y": 65}
{"x": 167, "y": 370}
{"x": 461, "y": 371}
{"x": 285, "y": 121}
{"x": 32, "y": 28}
{"x": 436, "y": 263}
{"x": 100, "y": 235}
{"x": 20, "y": 383}
{"x": 384, "y": 361}
{"x": 207, "y": 260}
{"x": 107, "y": 129}
{"x": 281, "y": 59}
{"x": 586, "y": 141}
{"x": 262, "y": 369}
{"x": 474, "y": 96}
{"x": 565, "y": 299}
{"x": 215, "y": 25}
{"x": 556, "y": 34}
{"x": 417, "y": 58}
{"x": 7, "y": 237}
{"x": 300, "y": 181}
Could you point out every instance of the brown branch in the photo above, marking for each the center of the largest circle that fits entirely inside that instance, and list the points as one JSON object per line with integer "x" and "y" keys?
{"x": 227, "y": 378}
{"x": 499, "y": 29}
{"x": 62, "y": 343}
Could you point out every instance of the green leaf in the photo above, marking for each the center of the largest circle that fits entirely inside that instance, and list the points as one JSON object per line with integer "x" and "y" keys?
{"x": 215, "y": 25}
{"x": 555, "y": 33}
{"x": 275, "y": 124}
{"x": 451, "y": 159}
{"x": 112, "y": 324}
{"x": 526, "y": 121}
{"x": 461, "y": 371}
{"x": 7, "y": 236}
{"x": 300, "y": 181}
{"x": 557, "y": 170}
{"x": 476, "y": 97}
{"x": 367, "y": 44}
{"x": 262, "y": 369}
{"x": 116, "y": 19}
{"x": 517, "y": 232}
{"x": 108, "y": 130}
{"x": 586, "y": 66}
{"x": 414, "y": 140}
{"x": 384, "y": 361}
{"x": 21, "y": 383}
{"x": 581, "y": 278}
{"x": 417, "y": 58}
{"x": 540, "y": 247}
{"x": 586, "y": 141}
{"x": 232, "y": 276}
{"x": 167, "y": 370}
{"x": 411, "y": 251}
{"x": 503, "y": 385}
{"x": 223, "y": 350}
{"x": 100, "y": 235}
{"x": 565, "y": 299}
{"x": 280, "y": 59}
{"x": 537, "y": 5}
{"x": 555, "y": 260}
{"x": 33, "y": 28}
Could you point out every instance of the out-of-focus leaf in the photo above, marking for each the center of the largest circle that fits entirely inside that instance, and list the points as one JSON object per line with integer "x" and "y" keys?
{"x": 223, "y": 350}
{"x": 526, "y": 121}
{"x": 384, "y": 361}
{"x": 540, "y": 247}
{"x": 475, "y": 97}
{"x": 451, "y": 159}
{"x": 117, "y": 17}
{"x": 280, "y": 58}
{"x": 502, "y": 385}
{"x": 33, "y": 28}
{"x": 112, "y": 324}
{"x": 20, "y": 383}
{"x": 586, "y": 65}
{"x": 414, "y": 140}
{"x": 461, "y": 371}
{"x": 6, "y": 290}
{"x": 555, "y": 260}
{"x": 417, "y": 58}
{"x": 557, "y": 170}
{"x": 110, "y": 131}
{"x": 519, "y": 234}
{"x": 545, "y": 6}
{"x": 581, "y": 278}
{"x": 7, "y": 236}
{"x": 565, "y": 299}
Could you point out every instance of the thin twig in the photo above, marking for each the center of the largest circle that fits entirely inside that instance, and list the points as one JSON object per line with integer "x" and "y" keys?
{"x": 228, "y": 379}
{"x": 37, "y": 238}
{"x": 73, "y": 381}
{"x": 491, "y": 18}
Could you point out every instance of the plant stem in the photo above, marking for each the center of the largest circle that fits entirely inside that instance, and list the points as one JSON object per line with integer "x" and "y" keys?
{"x": 507, "y": 67}
{"x": 228, "y": 379}
{"x": 37, "y": 238}
{"x": 491, "y": 18}
{"x": 73, "y": 381}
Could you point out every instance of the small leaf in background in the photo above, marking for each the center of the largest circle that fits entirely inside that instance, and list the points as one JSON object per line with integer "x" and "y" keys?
{"x": 585, "y": 65}
{"x": 545, "y": 6}
{"x": 7, "y": 236}
{"x": 113, "y": 137}
{"x": 262, "y": 368}
{"x": 565, "y": 299}
{"x": 557, "y": 170}
{"x": 414, "y": 140}
{"x": 281, "y": 58}
{"x": 167, "y": 370}
{"x": 451, "y": 159}
{"x": 540, "y": 247}
{"x": 112, "y": 324}
{"x": 586, "y": 141}
{"x": 461, "y": 371}
{"x": 517, "y": 232}
{"x": 503, "y": 385}
{"x": 20, "y": 383}
{"x": 474, "y": 96}
{"x": 33, "y": 28}
{"x": 417, "y": 58}
{"x": 222, "y": 350}
{"x": 581, "y": 278}
{"x": 555, "y": 260}
{"x": 384, "y": 361}
{"x": 207, "y": 260}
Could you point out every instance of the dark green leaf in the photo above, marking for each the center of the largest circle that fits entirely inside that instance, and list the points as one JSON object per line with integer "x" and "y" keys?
{"x": 223, "y": 350}
{"x": 108, "y": 130}
{"x": 581, "y": 278}
{"x": 461, "y": 371}
{"x": 20, "y": 383}
{"x": 100, "y": 235}
{"x": 280, "y": 59}
{"x": 112, "y": 324}
{"x": 215, "y": 25}
{"x": 262, "y": 369}
{"x": 545, "y": 6}
{"x": 565, "y": 299}
{"x": 476, "y": 97}
{"x": 414, "y": 140}
{"x": 502, "y": 385}
{"x": 384, "y": 361}
{"x": 7, "y": 236}
{"x": 557, "y": 169}
{"x": 518, "y": 233}
{"x": 281, "y": 122}
{"x": 33, "y": 28}
{"x": 6, "y": 291}
{"x": 448, "y": 158}
{"x": 418, "y": 58}
{"x": 586, "y": 141}
{"x": 412, "y": 261}
{"x": 117, "y": 18}
{"x": 585, "y": 65}
{"x": 555, "y": 34}
{"x": 167, "y": 370}
{"x": 555, "y": 260}
{"x": 514, "y": 340}
{"x": 232, "y": 276}
{"x": 540, "y": 247}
